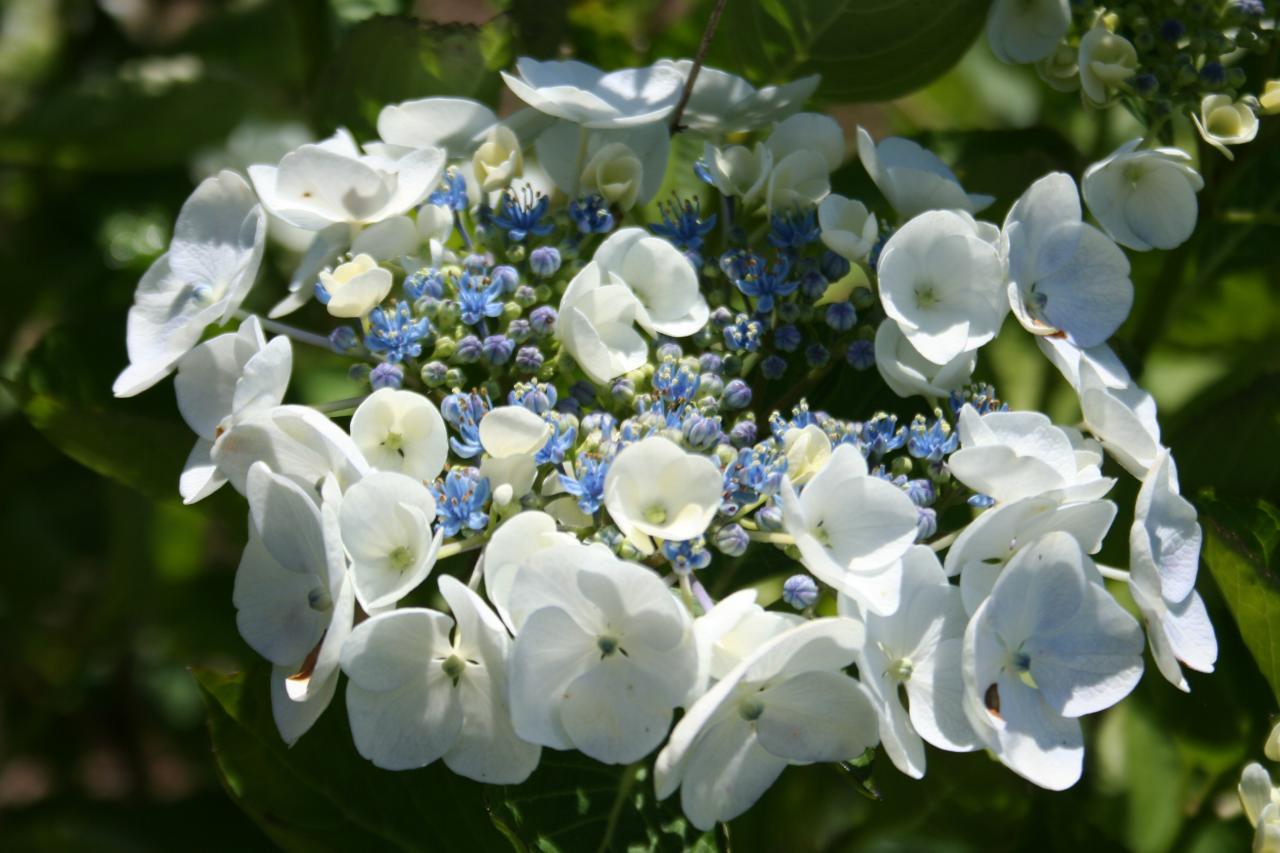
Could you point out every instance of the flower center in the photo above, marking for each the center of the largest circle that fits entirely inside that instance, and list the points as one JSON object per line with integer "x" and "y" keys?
{"x": 607, "y": 645}
{"x": 926, "y": 297}
{"x": 453, "y": 666}
{"x": 901, "y": 669}
{"x": 319, "y": 599}
{"x": 751, "y": 708}
{"x": 401, "y": 558}
{"x": 1224, "y": 121}
{"x": 1020, "y": 661}
{"x": 655, "y": 514}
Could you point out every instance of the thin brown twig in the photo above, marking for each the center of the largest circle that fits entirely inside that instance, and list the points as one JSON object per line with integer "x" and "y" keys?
{"x": 707, "y": 35}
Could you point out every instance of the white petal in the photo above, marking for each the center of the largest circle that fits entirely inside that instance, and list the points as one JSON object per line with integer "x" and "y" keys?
{"x": 817, "y": 716}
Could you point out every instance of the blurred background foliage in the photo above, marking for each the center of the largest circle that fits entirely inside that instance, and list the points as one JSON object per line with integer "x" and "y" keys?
{"x": 110, "y": 109}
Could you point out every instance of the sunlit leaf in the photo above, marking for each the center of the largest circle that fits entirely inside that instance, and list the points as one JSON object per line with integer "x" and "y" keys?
{"x": 864, "y": 51}
{"x": 1240, "y": 545}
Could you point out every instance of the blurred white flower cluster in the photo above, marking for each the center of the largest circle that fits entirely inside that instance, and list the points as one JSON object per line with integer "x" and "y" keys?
{"x": 585, "y": 424}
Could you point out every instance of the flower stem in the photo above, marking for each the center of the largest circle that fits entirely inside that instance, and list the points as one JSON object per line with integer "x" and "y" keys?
{"x": 336, "y": 406}
{"x": 453, "y": 549}
{"x": 292, "y": 332}
{"x": 1112, "y": 573}
{"x": 945, "y": 541}
{"x": 707, "y": 34}
{"x": 771, "y": 538}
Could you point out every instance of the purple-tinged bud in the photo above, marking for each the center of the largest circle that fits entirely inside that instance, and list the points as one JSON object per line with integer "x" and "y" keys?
{"x": 519, "y": 330}
{"x": 787, "y": 338}
{"x": 834, "y": 267}
{"x": 469, "y": 350}
{"x": 861, "y": 355}
{"x": 497, "y": 349}
{"x": 926, "y": 523}
{"x": 744, "y": 433}
{"x": 544, "y": 261}
{"x": 386, "y": 375}
{"x": 737, "y": 394}
{"x": 773, "y": 367}
{"x": 800, "y": 591}
{"x": 816, "y": 355}
{"x": 841, "y": 316}
{"x": 731, "y": 540}
{"x": 721, "y": 317}
{"x": 433, "y": 373}
{"x": 507, "y": 277}
{"x": 543, "y": 320}
{"x": 529, "y": 359}
{"x": 344, "y": 339}
{"x": 710, "y": 362}
{"x": 669, "y": 350}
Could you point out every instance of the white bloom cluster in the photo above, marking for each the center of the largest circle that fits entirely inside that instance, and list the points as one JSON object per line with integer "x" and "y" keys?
{"x": 595, "y": 469}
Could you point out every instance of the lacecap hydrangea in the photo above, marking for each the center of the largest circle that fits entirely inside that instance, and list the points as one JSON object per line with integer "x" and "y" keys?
{"x": 584, "y": 427}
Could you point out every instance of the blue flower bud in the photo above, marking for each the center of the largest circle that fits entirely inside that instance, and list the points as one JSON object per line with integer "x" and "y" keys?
{"x": 584, "y": 392}
{"x": 669, "y": 350}
{"x": 834, "y": 267}
{"x": 386, "y": 375}
{"x": 788, "y": 312}
{"x": 623, "y": 390}
{"x": 424, "y": 282}
{"x": 344, "y": 339}
{"x": 497, "y": 349}
{"x": 529, "y": 359}
{"x": 926, "y": 523}
{"x": 721, "y": 317}
{"x": 737, "y": 394}
{"x": 358, "y": 373}
{"x": 744, "y": 433}
{"x": 841, "y": 316}
{"x": 800, "y": 591}
{"x": 1145, "y": 84}
{"x": 921, "y": 492}
{"x": 525, "y": 296}
{"x": 519, "y": 330}
{"x": 476, "y": 264}
{"x": 813, "y": 284}
{"x": 731, "y": 540}
{"x": 1213, "y": 73}
{"x": 433, "y": 373}
{"x": 710, "y": 362}
{"x": 469, "y": 350}
{"x": 787, "y": 338}
{"x": 544, "y": 261}
{"x": 816, "y": 355}
{"x": 769, "y": 518}
{"x": 773, "y": 367}
{"x": 861, "y": 354}
{"x": 1172, "y": 30}
{"x": 701, "y": 433}
{"x": 506, "y": 277}
{"x": 981, "y": 501}
{"x": 543, "y": 320}
{"x": 710, "y": 385}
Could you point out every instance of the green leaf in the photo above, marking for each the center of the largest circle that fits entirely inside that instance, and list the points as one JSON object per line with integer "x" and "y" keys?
{"x": 384, "y": 60}
{"x": 320, "y": 794}
{"x": 572, "y": 803}
{"x": 865, "y": 51}
{"x": 66, "y": 396}
{"x": 1240, "y": 545}
{"x": 128, "y": 124}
